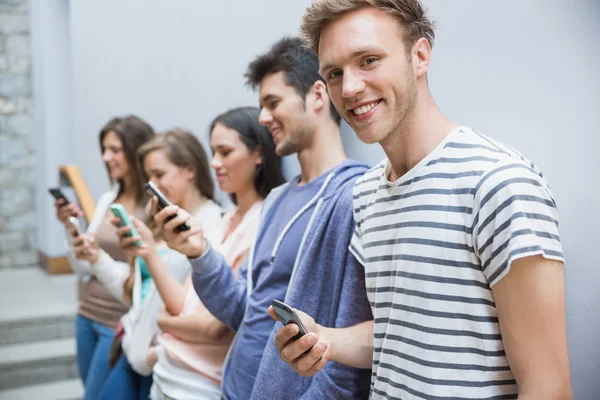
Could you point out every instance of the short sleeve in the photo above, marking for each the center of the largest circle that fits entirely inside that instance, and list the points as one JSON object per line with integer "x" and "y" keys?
{"x": 356, "y": 247}
{"x": 514, "y": 216}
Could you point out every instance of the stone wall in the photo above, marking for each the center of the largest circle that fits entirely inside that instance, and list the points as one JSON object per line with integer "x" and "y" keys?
{"x": 17, "y": 139}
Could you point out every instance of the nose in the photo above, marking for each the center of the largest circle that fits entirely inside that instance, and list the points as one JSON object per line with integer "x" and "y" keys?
{"x": 352, "y": 84}
{"x": 265, "y": 117}
{"x": 216, "y": 161}
{"x": 106, "y": 156}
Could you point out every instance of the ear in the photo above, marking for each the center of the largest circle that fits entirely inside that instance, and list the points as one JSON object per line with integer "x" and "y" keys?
{"x": 421, "y": 56}
{"x": 258, "y": 158}
{"x": 190, "y": 172}
{"x": 319, "y": 98}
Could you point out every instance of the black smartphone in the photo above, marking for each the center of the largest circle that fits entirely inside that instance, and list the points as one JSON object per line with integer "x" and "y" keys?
{"x": 58, "y": 194}
{"x": 287, "y": 315}
{"x": 163, "y": 202}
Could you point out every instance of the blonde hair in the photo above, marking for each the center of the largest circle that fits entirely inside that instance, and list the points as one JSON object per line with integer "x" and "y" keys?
{"x": 410, "y": 14}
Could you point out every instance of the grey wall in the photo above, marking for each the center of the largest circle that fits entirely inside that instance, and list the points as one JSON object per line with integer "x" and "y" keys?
{"x": 173, "y": 65}
{"x": 521, "y": 71}
{"x": 51, "y": 76}
{"x": 17, "y": 144}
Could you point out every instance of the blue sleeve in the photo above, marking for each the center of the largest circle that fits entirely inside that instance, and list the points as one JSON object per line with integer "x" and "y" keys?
{"x": 337, "y": 380}
{"x": 221, "y": 292}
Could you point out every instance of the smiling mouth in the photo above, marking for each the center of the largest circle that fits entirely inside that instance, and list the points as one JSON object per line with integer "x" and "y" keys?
{"x": 365, "y": 108}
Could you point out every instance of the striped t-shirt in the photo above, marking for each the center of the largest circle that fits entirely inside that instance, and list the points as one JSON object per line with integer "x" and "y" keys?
{"x": 433, "y": 243}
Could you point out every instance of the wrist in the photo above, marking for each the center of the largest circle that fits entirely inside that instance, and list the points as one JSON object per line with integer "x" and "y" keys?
{"x": 152, "y": 255}
{"x": 328, "y": 335}
{"x": 201, "y": 249}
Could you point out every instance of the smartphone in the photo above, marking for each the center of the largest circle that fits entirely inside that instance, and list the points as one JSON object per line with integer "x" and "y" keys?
{"x": 120, "y": 212}
{"x": 163, "y": 202}
{"x": 58, "y": 194}
{"x": 72, "y": 221}
{"x": 287, "y": 315}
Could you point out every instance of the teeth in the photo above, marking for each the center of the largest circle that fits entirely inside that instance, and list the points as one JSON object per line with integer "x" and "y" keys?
{"x": 364, "y": 109}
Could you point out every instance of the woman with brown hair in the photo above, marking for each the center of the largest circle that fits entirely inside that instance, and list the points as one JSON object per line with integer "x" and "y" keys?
{"x": 99, "y": 312}
{"x": 193, "y": 343}
{"x": 178, "y": 165}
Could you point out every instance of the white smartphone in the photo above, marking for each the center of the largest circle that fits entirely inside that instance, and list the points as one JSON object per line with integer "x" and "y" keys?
{"x": 74, "y": 223}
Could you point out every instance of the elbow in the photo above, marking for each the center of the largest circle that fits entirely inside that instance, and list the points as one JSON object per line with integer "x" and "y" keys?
{"x": 219, "y": 332}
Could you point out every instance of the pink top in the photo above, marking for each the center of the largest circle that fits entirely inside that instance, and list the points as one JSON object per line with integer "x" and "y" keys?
{"x": 207, "y": 358}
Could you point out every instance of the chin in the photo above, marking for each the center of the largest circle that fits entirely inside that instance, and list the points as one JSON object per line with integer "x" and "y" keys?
{"x": 368, "y": 137}
{"x": 224, "y": 188}
{"x": 286, "y": 149}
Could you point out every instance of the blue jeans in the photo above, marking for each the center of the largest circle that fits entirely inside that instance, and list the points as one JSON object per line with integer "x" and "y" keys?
{"x": 124, "y": 383}
{"x": 93, "y": 346}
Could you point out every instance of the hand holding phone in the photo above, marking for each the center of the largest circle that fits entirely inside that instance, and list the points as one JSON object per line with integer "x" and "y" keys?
{"x": 305, "y": 352}
{"x": 58, "y": 195}
{"x": 163, "y": 202}
{"x": 85, "y": 247}
{"x": 119, "y": 211}
{"x": 287, "y": 315}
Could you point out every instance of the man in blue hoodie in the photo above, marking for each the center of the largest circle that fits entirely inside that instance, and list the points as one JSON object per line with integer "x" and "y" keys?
{"x": 301, "y": 252}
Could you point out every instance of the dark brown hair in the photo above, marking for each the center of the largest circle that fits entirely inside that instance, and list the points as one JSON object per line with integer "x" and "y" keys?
{"x": 133, "y": 133}
{"x": 244, "y": 121}
{"x": 299, "y": 65}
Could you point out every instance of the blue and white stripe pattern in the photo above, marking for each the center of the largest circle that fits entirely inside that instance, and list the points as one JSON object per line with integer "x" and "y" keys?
{"x": 433, "y": 243}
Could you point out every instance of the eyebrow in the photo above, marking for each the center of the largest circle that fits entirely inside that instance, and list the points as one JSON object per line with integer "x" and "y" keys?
{"x": 356, "y": 53}
{"x": 268, "y": 98}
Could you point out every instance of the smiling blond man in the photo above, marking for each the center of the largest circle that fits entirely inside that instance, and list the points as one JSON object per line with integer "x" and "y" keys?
{"x": 458, "y": 233}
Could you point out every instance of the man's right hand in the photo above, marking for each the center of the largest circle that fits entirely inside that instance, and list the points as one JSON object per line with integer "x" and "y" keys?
{"x": 192, "y": 242}
{"x": 292, "y": 352}
{"x": 64, "y": 211}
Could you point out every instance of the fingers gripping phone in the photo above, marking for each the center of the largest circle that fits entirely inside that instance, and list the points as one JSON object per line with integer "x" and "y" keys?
{"x": 72, "y": 221}
{"x": 287, "y": 315}
{"x": 163, "y": 202}
{"x": 119, "y": 211}
{"x": 58, "y": 194}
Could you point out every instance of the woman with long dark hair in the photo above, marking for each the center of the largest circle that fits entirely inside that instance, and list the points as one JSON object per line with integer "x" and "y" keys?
{"x": 193, "y": 344}
{"x": 99, "y": 311}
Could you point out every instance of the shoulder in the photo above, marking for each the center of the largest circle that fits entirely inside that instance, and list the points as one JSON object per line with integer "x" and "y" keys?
{"x": 371, "y": 177}
{"x": 209, "y": 212}
{"x": 509, "y": 173}
{"x": 366, "y": 186}
{"x": 495, "y": 161}
{"x": 105, "y": 200}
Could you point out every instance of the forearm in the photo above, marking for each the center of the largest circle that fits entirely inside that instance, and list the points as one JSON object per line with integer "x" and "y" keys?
{"x": 195, "y": 328}
{"x": 171, "y": 291}
{"x": 352, "y": 346}
{"x": 550, "y": 392}
{"x": 112, "y": 274}
{"x": 80, "y": 267}
{"x": 222, "y": 293}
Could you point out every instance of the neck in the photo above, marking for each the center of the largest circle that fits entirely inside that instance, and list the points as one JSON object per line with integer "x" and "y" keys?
{"x": 417, "y": 136}
{"x": 246, "y": 199}
{"x": 323, "y": 153}
{"x": 128, "y": 188}
{"x": 192, "y": 200}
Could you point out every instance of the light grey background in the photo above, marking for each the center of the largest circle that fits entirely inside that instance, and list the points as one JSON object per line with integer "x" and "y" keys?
{"x": 522, "y": 71}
